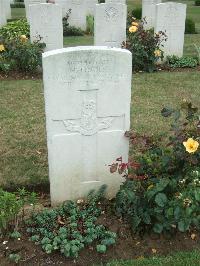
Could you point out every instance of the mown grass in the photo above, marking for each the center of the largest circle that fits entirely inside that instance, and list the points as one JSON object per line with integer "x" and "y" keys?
{"x": 22, "y": 119}
{"x": 178, "y": 259}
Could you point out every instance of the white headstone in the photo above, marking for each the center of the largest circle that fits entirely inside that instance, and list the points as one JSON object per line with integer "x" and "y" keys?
{"x": 31, "y": 2}
{"x": 170, "y": 18}
{"x": 110, "y": 25}
{"x": 3, "y": 19}
{"x": 8, "y": 9}
{"x": 90, "y": 7}
{"x": 149, "y": 12}
{"x": 77, "y": 17}
{"x": 46, "y": 22}
{"x": 65, "y": 5}
{"x": 87, "y": 99}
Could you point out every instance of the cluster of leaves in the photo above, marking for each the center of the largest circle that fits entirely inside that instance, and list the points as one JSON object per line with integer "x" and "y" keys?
{"x": 15, "y": 29}
{"x": 143, "y": 44}
{"x": 21, "y": 55}
{"x": 70, "y": 30}
{"x": 162, "y": 188}
{"x": 182, "y": 62}
{"x": 71, "y": 227}
{"x": 12, "y": 208}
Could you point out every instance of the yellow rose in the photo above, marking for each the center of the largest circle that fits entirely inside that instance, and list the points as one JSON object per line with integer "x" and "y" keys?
{"x": 23, "y": 38}
{"x": 157, "y": 53}
{"x": 191, "y": 145}
{"x": 2, "y": 48}
{"x": 133, "y": 29}
{"x": 135, "y": 24}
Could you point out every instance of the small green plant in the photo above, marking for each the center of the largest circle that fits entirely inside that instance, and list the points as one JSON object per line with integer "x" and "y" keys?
{"x": 197, "y": 3}
{"x": 90, "y": 24}
{"x": 15, "y": 257}
{"x": 11, "y": 206}
{"x": 71, "y": 227}
{"x": 15, "y": 235}
{"x": 190, "y": 27}
{"x": 15, "y": 29}
{"x": 182, "y": 62}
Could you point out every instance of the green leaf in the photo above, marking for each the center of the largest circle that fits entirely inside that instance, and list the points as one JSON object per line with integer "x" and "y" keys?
{"x": 183, "y": 226}
{"x": 161, "y": 199}
{"x": 101, "y": 248}
{"x": 158, "y": 228}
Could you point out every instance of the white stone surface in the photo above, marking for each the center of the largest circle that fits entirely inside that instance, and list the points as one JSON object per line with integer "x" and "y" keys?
{"x": 46, "y": 22}
{"x": 31, "y": 2}
{"x": 90, "y": 7}
{"x": 8, "y": 9}
{"x": 110, "y": 24}
{"x": 170, "y": 18}
{"x": 149, "y": 12}
{"x": 77, "y": 17}
{"x": 65, "y": 4}
{"x": 87, "y": 102}
{"x": 116, "y": 1}
{"x": 3, "y": 19}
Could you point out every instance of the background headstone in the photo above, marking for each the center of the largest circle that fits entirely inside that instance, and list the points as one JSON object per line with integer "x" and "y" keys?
{"x": 46, "y": 22}
{"x": 115, "y": 1}
{"x": 170, "y": 18}
{"x": 65, "y": 5}
{"x": 90, "y": 7}
{"x": 3, "y": 19}
{"x": 77, "y": 17}
{"x": 31, "y": 2}
{"x": 110, "y": 24}
{"x": 87, "y": 99}
{"x": 149, "y": 12}
{"x": 8, "y": 9}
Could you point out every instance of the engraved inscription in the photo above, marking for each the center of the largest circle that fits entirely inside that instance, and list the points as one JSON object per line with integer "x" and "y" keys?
{"x": 111, "y": 13}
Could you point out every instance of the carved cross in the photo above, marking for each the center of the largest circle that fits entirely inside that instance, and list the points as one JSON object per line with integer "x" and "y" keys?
{"x": 88, "y": 125}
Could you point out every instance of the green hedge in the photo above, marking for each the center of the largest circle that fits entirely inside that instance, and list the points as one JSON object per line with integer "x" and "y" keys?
{"x": 18, "y": 5}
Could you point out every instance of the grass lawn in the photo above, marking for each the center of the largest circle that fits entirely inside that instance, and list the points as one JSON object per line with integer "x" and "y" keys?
{"x": 22, "y": 121}
{"x": 179, "y": 259}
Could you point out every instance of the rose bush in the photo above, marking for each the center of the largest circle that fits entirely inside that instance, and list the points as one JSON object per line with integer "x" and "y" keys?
{"x": 144, "y": 45}
{"x": 161, "y": 191}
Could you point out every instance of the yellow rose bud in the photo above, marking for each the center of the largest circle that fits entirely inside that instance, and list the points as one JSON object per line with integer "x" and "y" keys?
{"x": 157, "y": 53}
{"x": 191, "y": 145}
{"x": 23, "y": 38}
{"x": 135, "y": 24}
{"x": 2, "y": 48}
{"x": 133, "y": 29}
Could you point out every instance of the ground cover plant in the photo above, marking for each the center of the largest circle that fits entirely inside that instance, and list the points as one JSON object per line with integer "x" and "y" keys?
{"x": 71, "y": 227}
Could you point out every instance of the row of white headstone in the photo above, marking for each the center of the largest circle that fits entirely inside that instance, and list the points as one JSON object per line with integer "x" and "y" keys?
{"x": 110, "y": 24}
{"x": 168, "y": 17}
{"x": 5, "y": 11}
